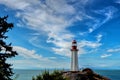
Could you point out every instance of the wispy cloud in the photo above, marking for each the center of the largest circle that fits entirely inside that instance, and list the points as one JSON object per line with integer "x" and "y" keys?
{"x": 28, "y": 53}
{"x": 107, "y": 12}
{"x": 16, "y": 4}
{"x": 54, "y": 22}
{"x": 49, "y": 18}
{"x": 90, "y": 44}
{"x": 117, "y": 1}
{"x": 38, "y": 61}
{"x": 52, "y": 19}
{"x": 36, "y": 41}
{"x": 106, "y": 55}
{"x": 99, "y": 37}
{"x": 114, "y": 50}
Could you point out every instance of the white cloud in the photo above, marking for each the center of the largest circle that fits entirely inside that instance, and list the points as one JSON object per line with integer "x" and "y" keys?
{"x": 30, "y": 59}
{"x": 50, "y": 18}
{"x": 117, "y": 1}
{"x": 90, "y": 44}
{"x": 34, "y": 64}
{"x": 27, "y": 53}
{"x": 106, "y": 55}
{"x": 16, "y": 4}
{"x": 114, "y": 50}
{"x": 62, "y": 51}
{"x": 99, "y": 37}
{"x": 103, "y": 65}
{"x": 47, "y": 22}
{"x": 82, "y": 33}
{"x": 108, "y": 12}
{"x": 36, "y": 41}
{"x": 56, "y": 6}
{"x": 53, "y": 58}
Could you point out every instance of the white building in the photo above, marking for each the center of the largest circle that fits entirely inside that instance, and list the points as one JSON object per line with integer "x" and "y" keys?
{"x": 74, "y": 56}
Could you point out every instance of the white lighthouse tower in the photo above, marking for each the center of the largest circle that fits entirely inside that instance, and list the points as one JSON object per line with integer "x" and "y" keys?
{"x": 74, "y": 56}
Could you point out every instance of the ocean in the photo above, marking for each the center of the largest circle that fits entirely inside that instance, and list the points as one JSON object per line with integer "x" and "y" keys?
{"x": 28, "y": 74}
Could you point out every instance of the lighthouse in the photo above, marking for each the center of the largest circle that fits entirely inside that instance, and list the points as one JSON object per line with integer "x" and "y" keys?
{"x": 74, "y": 56}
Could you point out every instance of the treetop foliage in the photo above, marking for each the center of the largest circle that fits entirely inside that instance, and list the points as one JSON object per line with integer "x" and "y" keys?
{"x": 6, "y": 50}
{"x": 46, "y": 75}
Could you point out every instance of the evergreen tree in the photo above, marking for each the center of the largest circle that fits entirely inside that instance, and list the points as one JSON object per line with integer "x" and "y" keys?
{"x": 6, "y": 50}
{"x": 46, "y": 75}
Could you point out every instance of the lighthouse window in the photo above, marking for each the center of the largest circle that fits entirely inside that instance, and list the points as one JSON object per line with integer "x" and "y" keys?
{"x": 74, "y": 44}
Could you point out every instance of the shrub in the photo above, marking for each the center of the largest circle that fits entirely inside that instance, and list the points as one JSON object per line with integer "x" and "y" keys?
{"x": 46, "y": 75}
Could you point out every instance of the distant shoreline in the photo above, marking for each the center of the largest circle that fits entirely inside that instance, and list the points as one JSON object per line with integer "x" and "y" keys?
{"x": 64, "y": 69}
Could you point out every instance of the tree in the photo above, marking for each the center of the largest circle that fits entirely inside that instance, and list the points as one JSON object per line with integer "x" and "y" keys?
{"x": 46, "y": 75}
{"x": 6, "y": 50}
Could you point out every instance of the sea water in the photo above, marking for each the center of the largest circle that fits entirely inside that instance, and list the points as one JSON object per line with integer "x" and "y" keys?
{"x": 112, "y": 74}
{"x": 28, "y": 74}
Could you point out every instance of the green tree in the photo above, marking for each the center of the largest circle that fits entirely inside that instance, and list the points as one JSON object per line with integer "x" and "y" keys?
{"x": 46, "y": 75}
{"x": 6, "y": 50}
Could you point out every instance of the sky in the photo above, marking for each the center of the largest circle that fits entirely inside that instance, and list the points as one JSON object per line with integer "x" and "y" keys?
{"x": 44, "y": 29}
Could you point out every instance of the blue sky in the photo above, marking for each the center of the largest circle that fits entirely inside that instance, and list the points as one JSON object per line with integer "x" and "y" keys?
{"x": 44, "y": 29}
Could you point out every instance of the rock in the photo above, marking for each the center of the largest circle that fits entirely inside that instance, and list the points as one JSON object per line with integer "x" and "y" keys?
{"x": 85, "y": 74}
